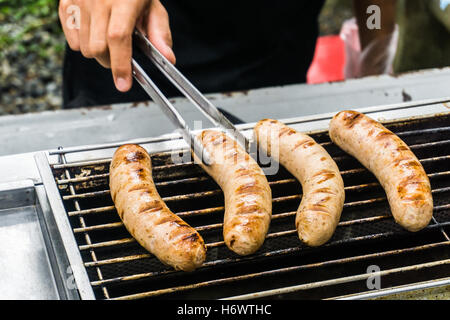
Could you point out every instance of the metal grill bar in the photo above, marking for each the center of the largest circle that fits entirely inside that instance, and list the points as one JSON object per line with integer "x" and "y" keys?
{"x": 274, "y": 217}
{"x": 269, "y": 236}
{"x": 103, "y": 146}
{"x": 325, "y": 283}
{"x": 83, "y": 224}
{"x": 324, "y": 144}
{"x": 296, "y": 268}
{"x": 99, "y": 227}
{"x": 271, "y": 272}
{"x": 263, "y": 255}
{"x": 280, "y": 182}
{"x": 204, "y": 178}
{"x": 408, "y": 133}
{"x": 248, "y": 276}
{"x": 169, "y": 183}
{"x": 220, "y": 225}
{"x": 441, "y": 229}
{"x": 82, "y": 163}
{"x": 218, "y": 209}
{"x": 423, "y": 131}
{"x": 188, "y": 164}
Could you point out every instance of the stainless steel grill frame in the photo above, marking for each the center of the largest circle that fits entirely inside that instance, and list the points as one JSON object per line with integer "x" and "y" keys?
{"x": 108, "y": 264}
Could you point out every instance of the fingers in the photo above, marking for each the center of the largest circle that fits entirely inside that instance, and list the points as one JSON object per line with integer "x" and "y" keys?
{"x": 121, "y": 25}
{"x": 69, "y": 16}
{"x": 98, "y": 44}
{"x": 85, "y": 26}
{"x": 158, "y": 30}
{"x": 75, "y": 21}
{"x": 103, "y": 30}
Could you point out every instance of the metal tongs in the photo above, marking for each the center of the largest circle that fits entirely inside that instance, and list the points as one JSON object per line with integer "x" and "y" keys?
{"x": 188, "y": 90}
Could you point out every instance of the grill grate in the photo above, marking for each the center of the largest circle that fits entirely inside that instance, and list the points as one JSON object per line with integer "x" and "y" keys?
{"x": 118, "y": 268}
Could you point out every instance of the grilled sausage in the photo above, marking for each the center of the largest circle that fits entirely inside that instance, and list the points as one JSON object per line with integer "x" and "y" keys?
{"x": 392, "y": 162}
{"x": 323, "y": 189}
{"x": 146, "y": 216}
{"x": 248, "y": 197}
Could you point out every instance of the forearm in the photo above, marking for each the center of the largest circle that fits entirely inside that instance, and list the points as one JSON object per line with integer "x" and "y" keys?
{"x": 387, "y": 20}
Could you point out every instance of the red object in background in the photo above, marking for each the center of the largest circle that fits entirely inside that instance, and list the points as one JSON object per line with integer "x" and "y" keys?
{"x": 328, "y": 62}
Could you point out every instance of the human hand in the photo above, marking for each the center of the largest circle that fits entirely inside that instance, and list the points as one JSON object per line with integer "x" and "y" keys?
{"x": 105, "y": 27}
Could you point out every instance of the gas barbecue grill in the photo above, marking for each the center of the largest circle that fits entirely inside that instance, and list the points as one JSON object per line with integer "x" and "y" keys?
{"x": 91, "y": 255}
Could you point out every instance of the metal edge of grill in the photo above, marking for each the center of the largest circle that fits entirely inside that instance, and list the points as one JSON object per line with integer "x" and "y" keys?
{"x": 56, "y": 201}
{"x": 307, "y": 124}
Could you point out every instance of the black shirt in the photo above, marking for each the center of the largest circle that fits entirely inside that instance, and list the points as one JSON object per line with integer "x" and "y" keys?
{"x": 220, "y": 46}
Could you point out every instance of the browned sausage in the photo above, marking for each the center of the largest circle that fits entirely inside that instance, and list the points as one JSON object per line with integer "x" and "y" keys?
{"x": 396, "y": 167}
{"x": 146, "y": 216}
{"x": 323, "y": 189}
{"x": 248, "y": 197}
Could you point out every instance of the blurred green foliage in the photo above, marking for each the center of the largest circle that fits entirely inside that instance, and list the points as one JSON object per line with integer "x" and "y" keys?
{"x": 21, "y": 20}
{"x": 21, "y": 8}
